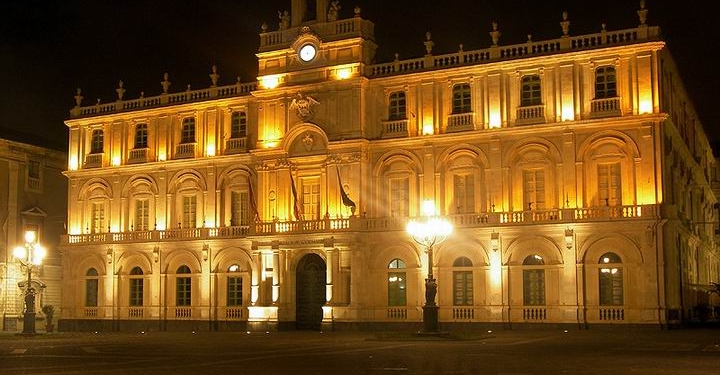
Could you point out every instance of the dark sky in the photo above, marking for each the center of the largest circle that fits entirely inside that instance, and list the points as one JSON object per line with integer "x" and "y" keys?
{"x": 49, "y": 48}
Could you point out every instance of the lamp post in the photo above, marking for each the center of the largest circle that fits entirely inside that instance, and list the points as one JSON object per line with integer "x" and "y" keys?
{"x": 428, "y": 232}
{"x": 29, "y": 255}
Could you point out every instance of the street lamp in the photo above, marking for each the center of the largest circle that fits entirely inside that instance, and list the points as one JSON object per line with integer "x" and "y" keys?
{"x": 29, "y": 255}
{"x": 428, "y": 232}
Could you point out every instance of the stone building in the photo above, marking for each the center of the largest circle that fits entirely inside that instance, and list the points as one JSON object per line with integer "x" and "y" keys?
{"x": 575, "y": 172}
{"x": 31, "y": 180}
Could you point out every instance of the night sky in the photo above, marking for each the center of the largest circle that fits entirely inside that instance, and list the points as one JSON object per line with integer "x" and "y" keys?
{"x": 48, "y": 49}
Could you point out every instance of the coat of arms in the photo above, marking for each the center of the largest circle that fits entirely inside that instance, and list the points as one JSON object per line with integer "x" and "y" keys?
{"x": 303, "y": 106}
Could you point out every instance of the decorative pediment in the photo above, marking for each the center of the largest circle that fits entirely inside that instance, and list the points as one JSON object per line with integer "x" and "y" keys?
{"x": 34, "y": 211}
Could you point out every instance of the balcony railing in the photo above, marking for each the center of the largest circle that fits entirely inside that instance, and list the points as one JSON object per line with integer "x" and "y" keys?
{"x": 395, "y": 128}
{"x": 534, "y": 114}
{"x": 235, "y": 145}
{"x": 461, "y": 122}
{"x": 93, "y": 160}
{"x": 609, "y": 107}
{"x": 362, "y": 224}
{"x": 185, "y": 150}
{"x": 138, "y": 155}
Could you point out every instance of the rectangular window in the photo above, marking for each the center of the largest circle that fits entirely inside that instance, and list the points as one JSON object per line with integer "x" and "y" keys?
{"x": 136, "y": 292}
{"x": 462, "y": 288}
{"x": 96, "y": 145}
{"x": 189, "y": 211}
{"x": 239, "y": 208}
{"x": 33, "y": 174}
{"x": 397, "y": 106}
{"x": 399, "y": 197}
{"x": 188, "y": 131}
{"x": 183, "y": 297}
{"x": 142, "y": 214}
{"x": 534, "y": 189}
{"x": 534, "y": 287}
{"x": 98, "y": 217}
{"x": 461, "y": 98}
{"x": 238, "y": 125}
{"x": 464, "y": 193}
{"x": 234, "y": 291}
{"x": 91, "y": 293}
{"x": 141, "y": 136}
{"x": 530, "y": 94}
{"x": 611, "y": 288}
{"x": 609, "y": 186}
{"x": 311, "y": 199}
{"x": 397, "y": 292}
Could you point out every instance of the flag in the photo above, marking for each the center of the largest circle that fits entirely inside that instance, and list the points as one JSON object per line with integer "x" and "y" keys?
{"x": 297, "y": 207}
{"x": 253, "y": 203}
{"x": 345, "y": 199}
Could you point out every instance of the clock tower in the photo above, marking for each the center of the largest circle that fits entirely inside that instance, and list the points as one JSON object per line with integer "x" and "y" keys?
{"x": 312, "y": 43}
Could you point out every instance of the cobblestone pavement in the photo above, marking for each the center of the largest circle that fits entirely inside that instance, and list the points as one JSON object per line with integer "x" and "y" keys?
{"x": 691, "y": 351}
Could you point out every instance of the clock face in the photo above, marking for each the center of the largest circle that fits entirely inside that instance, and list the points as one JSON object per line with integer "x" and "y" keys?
{"x": 307, "y": 52}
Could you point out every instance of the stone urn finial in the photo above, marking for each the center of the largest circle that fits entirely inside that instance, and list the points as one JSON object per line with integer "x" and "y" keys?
{"x": 214, "y": 76}
{"x": 642, "y": 13}
{"x": 495, "y": 34}
{"x": 428, "y": 43}
{"x": 78, "y": 97}
{"x": 165, "y": 83}
{"x": 565, "y": 24}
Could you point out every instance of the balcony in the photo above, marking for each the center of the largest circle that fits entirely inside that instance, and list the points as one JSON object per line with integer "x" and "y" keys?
{"x": 460, "y": 122}
{"x": 381, "y": 224}
{"x": 609, "y": 107}
{"x": 93, "y": 160}
{"x": 185, "y": 150}
{"x": 138, "y": 155}
{"x": 528, "y": 115}
{"x": 395, "y": 128}
{"x": 235, "y": 145}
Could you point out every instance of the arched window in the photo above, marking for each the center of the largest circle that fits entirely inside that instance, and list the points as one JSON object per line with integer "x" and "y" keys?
{"x": 605, "y": 82}
{"x": 533, "y": 281}
{"x": 462, "y": 282}
{"x": 531, "y": 94}
{"x": 136, "y": 286}
{"x": 238, "y": 124}
{"x": 96, "y": 145}
{"x": 183, "y": 287}
{"x": 611, "y": 280}
{"x": 234, "y": 286}
{"x": 188, "y": 130}
{"x": 141, "y": 136}
{"x": 397, "y": 283}
{"x": 91, "y": 287}
{"x": 461, "y": 98}
{"x": 397, "y": 106}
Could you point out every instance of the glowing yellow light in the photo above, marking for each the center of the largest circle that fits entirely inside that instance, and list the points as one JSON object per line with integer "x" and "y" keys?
{"x": 210, "y": 149}
{"x": 73, "y": 163}
{"x": 115, "y": 229}
{"x": 494, "y": 120}
{"x": 116, "y": 161}
{"x": 254, "y": 293}
{"x": 343, "y": 73}
{"x": 162, "y": 156}
{"x": 567, "y": 113}
{"x": 428, "y": 207}
{"x": 160, "y": 226}
{"x": 30, "y": 236}
{"x": 428, "y": 128}
{"x": 645, "y": 107}
{"x": 270, "y": 144}
{"x": 270, "y": 82}
{"x": 75, "y": 230}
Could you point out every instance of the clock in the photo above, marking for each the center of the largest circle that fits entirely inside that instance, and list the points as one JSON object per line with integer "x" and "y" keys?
{"x": 307, "y": 52}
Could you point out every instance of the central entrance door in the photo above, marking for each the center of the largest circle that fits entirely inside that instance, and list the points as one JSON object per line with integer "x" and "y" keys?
{"x": 309, "y": 292}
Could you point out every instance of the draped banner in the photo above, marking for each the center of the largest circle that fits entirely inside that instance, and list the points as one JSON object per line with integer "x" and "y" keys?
{"x": 253, "y": 202}
{"x": 345, "y": 199}
{"x": 297, "y": 206}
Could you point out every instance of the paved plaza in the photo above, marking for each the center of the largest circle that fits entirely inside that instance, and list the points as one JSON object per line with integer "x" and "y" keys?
{"x": 688, "y": 351}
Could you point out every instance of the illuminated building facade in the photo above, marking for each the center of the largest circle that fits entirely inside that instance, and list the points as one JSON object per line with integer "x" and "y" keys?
{"x": 574, "y": 171}
{"x": 31, "y": 179}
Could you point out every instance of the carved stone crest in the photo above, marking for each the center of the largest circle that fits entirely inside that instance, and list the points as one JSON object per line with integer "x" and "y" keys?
{"x": 303, "y": 105}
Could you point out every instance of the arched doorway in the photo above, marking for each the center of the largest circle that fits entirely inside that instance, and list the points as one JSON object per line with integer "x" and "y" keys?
{"x": 309, "y": 292}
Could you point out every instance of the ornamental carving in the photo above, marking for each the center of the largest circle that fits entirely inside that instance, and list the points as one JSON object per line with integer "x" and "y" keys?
{"x": 303, "y": 105}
